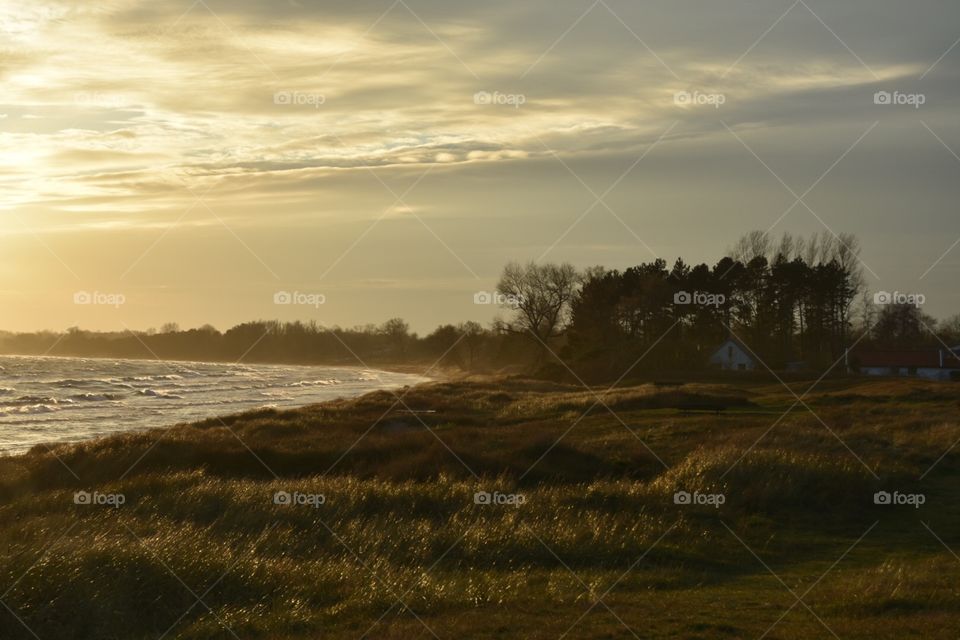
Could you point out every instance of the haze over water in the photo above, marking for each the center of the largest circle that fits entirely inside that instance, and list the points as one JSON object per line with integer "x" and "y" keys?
{"x": 51, "y": 400}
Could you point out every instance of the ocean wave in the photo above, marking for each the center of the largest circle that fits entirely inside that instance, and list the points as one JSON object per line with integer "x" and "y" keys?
{"x": 314, "y": 383}
{"x": 4, "y": 391}
{"x": 32, "y": 424}
{"x": 96, "y": 397}
{"x": 28, "y": 409}
{"x": 168, "y": 376}
{"x": 70, "y": 383}
{"x": 153, "y": 393}
{"x": 32, "y": 400}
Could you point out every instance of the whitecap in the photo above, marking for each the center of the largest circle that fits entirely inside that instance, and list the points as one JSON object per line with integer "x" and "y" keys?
{"x": 96, "y": 397}
{"x": 314, "y": 383}
{"x": 30, "y": 409}
{"x": 153, "y": 393}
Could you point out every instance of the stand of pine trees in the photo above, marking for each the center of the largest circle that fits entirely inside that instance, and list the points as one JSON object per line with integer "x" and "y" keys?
{"x": 790, "y": 303}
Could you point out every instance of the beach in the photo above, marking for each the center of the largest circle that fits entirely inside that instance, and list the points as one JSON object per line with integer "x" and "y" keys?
{"x": 49, "y": 400}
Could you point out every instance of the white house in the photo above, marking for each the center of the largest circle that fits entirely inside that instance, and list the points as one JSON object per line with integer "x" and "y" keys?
{"x": 931, "y": 364}
{"x": 732, "y": 355}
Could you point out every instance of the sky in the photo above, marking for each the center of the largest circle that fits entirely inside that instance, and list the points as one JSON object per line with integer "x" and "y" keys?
{"x": 352, "y": 161}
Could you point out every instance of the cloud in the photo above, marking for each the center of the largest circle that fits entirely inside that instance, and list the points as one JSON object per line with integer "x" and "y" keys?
{"x": 288, "y": 119}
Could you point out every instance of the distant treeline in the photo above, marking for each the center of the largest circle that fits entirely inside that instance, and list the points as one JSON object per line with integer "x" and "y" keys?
{"x": 796, "y": 302}
{"x": 795, "y": 305}
{"x": 468, "y": 345}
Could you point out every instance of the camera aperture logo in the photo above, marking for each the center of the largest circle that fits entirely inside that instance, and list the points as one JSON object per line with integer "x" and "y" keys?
{"x": 915, "y": 500}
{"x": 915, "y": 100}
{"x": 486, "y": 98}
{"x": 500, "y": 499}
{"x": 696, "y": 498}
{"x": 885, "y": 297}
{"x": 297, "y": 499}
{"x": 97, "y": 499}
{"x": 699, "y": 298}
{"x": 97, "y": 298}
{"x": 699, "y": 99}
{"x": 497, "y": 298}
{"x": 299, "y": 298}
{"x": 99, "y": 100}
{"x": 299, "y": 99}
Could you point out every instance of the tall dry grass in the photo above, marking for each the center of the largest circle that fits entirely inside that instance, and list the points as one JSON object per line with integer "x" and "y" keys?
{"x": 400, "y": 530}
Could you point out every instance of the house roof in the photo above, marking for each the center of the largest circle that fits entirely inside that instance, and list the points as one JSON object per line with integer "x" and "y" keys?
{"x": 739, "y": 344}
{"x": 927, "y": 358}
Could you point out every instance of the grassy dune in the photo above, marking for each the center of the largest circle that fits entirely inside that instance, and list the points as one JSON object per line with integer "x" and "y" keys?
{"x": 597, "y": 549}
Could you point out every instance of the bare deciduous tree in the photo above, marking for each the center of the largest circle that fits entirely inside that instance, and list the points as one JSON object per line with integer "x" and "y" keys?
{"x": 540, "y": 296}
{"x": 752, "y": 245}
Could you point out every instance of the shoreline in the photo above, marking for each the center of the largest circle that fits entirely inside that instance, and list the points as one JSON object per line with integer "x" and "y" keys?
{"x": 420, "y": 369}
{"x": 421, "y": 375}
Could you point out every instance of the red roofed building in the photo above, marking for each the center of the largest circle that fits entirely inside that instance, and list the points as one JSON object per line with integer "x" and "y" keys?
{"x": 932, "y": 364}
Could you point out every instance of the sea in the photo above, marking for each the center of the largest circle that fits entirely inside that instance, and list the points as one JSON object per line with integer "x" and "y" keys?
{"x": 55, "y": 400}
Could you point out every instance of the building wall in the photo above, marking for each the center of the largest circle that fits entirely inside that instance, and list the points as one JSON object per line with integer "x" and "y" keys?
{"x": 921, "y": 372}
{"x": 936, "y": 374}
{"x": 730, "y": 357}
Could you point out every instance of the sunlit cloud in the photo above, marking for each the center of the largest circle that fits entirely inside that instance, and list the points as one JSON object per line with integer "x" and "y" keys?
{"x": 279, "y": 120}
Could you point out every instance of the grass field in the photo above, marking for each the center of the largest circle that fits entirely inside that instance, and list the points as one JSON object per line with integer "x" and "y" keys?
{"x": 582, "y": 535}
